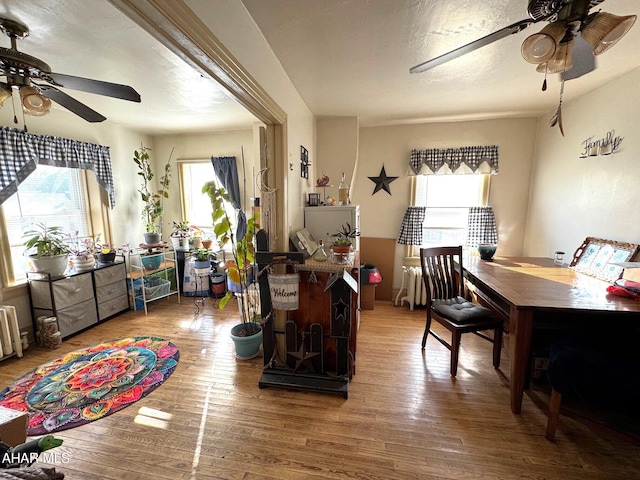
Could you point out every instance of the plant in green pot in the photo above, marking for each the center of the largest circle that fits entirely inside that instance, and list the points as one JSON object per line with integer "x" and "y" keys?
{"x": 153, "y": 200}
{"x": 247, "y": 335}
{"x": 47, "y": 249}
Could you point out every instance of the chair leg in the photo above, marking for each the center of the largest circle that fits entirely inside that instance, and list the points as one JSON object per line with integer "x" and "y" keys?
{"x": 554, "y": 414}
{"x": 426, "y": 330}
{"x": 497, "y": 346}
{"x": 455, "y": 347}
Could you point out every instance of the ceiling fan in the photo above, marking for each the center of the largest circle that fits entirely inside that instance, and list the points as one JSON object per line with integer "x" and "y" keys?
{"x": 552, "y": 48}
{"x": 37, "y": 85}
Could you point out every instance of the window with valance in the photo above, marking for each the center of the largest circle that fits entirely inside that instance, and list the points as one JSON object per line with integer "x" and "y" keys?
{"x": 443, "y": 216}
{"x": 21, "y": 152}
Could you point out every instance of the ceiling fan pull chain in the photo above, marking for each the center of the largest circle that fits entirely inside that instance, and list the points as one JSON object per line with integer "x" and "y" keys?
{"x": 544, "y": 83}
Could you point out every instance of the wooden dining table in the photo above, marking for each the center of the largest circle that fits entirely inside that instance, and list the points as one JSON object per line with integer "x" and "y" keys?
{"x": 526, "y": 290}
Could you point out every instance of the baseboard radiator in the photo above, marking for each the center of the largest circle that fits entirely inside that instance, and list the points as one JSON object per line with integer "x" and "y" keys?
{"x": 10, "y": 342}
{"x": 416, "y": 292}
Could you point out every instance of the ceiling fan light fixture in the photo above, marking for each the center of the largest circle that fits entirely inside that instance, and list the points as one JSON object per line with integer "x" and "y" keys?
{"x": 604, "y": 30}
{"x": 540, "y": 47}
{"x": 561, "y": 61}
{"x": 33, "y": 102}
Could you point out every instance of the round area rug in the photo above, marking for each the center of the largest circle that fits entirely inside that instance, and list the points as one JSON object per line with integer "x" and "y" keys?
{"x": 91, "y": 383}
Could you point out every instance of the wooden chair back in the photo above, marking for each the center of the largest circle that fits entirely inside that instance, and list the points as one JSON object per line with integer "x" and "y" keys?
{"x": 443, "y": 267}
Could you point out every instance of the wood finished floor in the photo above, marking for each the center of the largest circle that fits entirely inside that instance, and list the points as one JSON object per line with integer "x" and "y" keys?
{"x": 405, "y": 417}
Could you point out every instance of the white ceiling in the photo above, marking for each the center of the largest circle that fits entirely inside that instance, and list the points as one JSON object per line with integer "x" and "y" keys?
{"x": 352, "y": 57}
{"x": 345, "y": 57}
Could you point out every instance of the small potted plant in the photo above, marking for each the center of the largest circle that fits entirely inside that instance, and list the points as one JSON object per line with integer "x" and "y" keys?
{"x": 106, "y": 252}
{"x": 153, "y": 201}
{"x": 202, "y": 258}
{"x": 82, "y": 251}
{"x": 341, "y": 246}
{"x": 180, "y": 235}
{"x": 47, "y": 249}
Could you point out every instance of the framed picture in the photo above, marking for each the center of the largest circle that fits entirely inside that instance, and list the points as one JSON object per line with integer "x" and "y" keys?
{"x": 599, "y": 258}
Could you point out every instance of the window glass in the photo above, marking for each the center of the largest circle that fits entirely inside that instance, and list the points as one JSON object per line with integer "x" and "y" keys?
{"x": 447, "y": 198}
{"x": 50, "y": 195}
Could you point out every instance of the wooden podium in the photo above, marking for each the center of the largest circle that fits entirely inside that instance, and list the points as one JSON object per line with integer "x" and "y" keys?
{"x": 311, "y": 348}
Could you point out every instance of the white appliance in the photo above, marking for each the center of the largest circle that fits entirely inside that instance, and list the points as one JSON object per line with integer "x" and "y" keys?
{"x": 322, "y": 222}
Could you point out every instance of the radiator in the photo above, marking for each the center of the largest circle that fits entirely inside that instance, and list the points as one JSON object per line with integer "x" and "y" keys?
{"x": 10, "y": 342}
{"x": 416, "y": 291}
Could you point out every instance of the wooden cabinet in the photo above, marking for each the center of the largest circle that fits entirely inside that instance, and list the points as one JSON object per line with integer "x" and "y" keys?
{"x": 79, "y": 300}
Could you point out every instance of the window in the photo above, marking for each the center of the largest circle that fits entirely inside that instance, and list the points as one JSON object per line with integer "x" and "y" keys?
{"x": 195, "y": 204}
{"x": 447, "y": 199}
{"x": 51, "y": 195}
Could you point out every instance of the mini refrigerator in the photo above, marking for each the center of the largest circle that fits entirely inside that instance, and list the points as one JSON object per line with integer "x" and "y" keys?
{"x": 323, "y": 222}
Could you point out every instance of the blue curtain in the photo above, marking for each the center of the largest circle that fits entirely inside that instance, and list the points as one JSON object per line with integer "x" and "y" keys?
{"x": 227, "y": 172}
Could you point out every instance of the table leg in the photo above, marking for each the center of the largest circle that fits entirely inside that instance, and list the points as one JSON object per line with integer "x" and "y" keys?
{"x": 520, "y": 333}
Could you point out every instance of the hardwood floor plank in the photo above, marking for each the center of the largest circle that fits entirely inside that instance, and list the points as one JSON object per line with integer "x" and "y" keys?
{"x": 405, "y": 419}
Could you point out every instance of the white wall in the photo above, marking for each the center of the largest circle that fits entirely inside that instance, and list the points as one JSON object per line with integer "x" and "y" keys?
{"x": 573, "y": 198}
{"x": 381, "y": 214}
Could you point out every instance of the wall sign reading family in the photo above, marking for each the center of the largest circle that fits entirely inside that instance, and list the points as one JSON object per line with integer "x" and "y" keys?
{"x": 593, "y": 146}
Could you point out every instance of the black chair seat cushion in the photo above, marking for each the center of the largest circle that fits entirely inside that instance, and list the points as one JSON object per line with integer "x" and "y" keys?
{"x": 460, "y": 310}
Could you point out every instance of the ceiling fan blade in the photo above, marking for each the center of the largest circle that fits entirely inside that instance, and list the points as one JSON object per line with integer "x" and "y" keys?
{"x": 71, "y": 104}
{"x": 583, "y": 59}
{"x": 123, "y": 92}
{"x": 476, "y": 44}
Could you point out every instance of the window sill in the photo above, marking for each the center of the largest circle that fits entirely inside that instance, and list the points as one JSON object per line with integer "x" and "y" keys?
{"x": 14, "y": 291}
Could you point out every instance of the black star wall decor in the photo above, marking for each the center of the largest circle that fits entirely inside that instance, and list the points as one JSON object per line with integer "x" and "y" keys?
{"x": 382, "y": 182}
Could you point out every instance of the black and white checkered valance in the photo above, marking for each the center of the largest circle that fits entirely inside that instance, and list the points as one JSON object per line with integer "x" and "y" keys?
{"x": 480, "y": 159}
{"x": 21, "y": 152}
{"x": 482, "y": 226}
{"x": 411, "y": 228}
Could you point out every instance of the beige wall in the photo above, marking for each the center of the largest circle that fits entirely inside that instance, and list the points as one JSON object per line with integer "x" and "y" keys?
{"x": 204, "y": 146}
{"x": 381, "y": 214}
{"x": 337, "y": 150}
{"x": 232, "y": 24}
{"x": 573, "y": 198}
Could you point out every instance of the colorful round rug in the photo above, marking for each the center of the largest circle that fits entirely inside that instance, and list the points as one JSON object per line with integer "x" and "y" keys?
{"x": 91, "y": 383}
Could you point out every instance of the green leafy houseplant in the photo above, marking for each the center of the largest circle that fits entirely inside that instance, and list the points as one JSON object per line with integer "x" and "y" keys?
{"x": 153, "y": 200}
{"x": 243, "y": 249}
{"x": 345, "y": 235}
{"x": 47, "y": 241}
{"x": 200, "y": 254}
{"x": 47, "y": 249}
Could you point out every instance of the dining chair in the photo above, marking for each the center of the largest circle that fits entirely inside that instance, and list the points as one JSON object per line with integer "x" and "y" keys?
{"x": 448, "y": 305}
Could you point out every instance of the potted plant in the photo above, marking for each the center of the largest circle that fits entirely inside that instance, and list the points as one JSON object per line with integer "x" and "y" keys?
{"x": 47, "y": 249}
{"x": 247, "y": 335}
{"x": 341, "y": 246}
{"x": 82, "y": 251}
{"x": 202, "y": 258}
{"x": 180, "y": 235}
{"x": 153, "y": 200}
{"x": 106, "y": 252}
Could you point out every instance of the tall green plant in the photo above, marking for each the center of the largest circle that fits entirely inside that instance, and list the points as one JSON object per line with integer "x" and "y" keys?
{"x": 243, "y": 249}
{"x": 153, "y": 200}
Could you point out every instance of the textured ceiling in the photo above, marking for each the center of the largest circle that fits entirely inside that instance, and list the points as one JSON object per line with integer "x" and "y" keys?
{"x": 345, "y": 57}
{"x": 352, "y": 57}
{"x": 91, "y": 38}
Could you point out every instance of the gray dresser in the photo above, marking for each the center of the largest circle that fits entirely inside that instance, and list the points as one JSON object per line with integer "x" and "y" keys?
{"x": 80, "y": 300}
